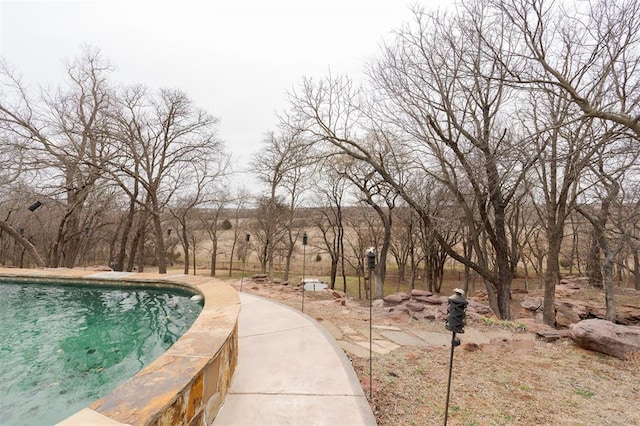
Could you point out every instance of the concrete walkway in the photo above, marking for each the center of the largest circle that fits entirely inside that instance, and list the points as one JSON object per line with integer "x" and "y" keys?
{"x": 290, "y": 372}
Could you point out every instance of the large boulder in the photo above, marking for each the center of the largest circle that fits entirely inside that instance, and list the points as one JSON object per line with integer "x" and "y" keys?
{"x": 606, "y": 337}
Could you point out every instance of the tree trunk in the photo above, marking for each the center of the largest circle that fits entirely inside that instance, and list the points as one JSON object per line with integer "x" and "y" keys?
{"x": 185, "y": 248}
{"x": 128, "y": 223}
{"x": 333, "y": 271}
{"x": 160, "y": 248}
{"x": 636, "y": 269}
{"x": 503, "y": 287}
{"x": 141, "y": 247}
{"x": 287, "y": 261}
{"x": 341, "y": 252}
{"x": 214, "y": 257}
{"x": 264, "y": 257}
{"x": 231, "y": 253}
{"x": 492, "y": 294}
{"x": 551, "y": 278}
{"x": 607, "y": 283}
{"x": 594, "y": 267}
{"x": 26, "y": 244}
{"x": 134, "y": 247}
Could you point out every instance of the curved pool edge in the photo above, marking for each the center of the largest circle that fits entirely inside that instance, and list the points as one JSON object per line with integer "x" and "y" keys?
{"x": 185, "y": 385}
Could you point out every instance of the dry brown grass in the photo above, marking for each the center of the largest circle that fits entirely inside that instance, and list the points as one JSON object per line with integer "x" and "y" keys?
{"x": 502, "y": 384}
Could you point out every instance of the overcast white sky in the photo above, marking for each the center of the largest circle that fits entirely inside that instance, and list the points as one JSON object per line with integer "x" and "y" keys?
{"x": 237, "y": 59}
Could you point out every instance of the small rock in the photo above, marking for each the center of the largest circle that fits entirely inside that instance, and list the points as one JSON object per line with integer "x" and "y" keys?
{"x": 393, "y": 299}
{"x": 337, "y": 294}
{"x": 404, "y": 295}
{"x": 429, "y": 315}
{"x": 550, "y": 335}
{"x": 432, "y": 300}
{"x": 532, "y": 303}
{"x": 415, "y": 306}
{"x": 569, "y": 312}
{"x": 471, "y": 347}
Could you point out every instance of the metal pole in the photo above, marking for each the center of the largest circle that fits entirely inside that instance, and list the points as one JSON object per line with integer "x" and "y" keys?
{"x": 304, "y": 256}
{"x": 370, "y": 340}
{"x": 304, "y": 259}
{"x": 371, "y": 266}
{"x": 454, "y": 343}
{"x": 244, "y": 258}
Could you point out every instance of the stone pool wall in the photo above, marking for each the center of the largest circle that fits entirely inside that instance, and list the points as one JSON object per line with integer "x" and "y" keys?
{"x": 188, "y": 383}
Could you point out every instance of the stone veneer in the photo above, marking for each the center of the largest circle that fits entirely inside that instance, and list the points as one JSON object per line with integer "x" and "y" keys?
{"x": 188, "y": 383}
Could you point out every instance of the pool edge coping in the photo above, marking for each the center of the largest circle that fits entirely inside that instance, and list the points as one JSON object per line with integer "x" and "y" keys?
{"x": 188, "y": 383}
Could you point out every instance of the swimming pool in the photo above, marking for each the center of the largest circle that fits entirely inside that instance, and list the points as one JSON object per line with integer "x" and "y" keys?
{"x": 64, "y": 346}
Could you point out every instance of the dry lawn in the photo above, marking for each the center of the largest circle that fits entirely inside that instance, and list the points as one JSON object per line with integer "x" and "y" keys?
{"x": 502, "y": 383}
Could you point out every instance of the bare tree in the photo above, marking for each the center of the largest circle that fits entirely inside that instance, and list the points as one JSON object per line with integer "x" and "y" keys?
{"x": 448, "y": 104}
{"x": 160, "y": 138}
{"x": 65, "y": 133}
{"x": 240, "y": 200}
{"x": 403, "y": 243}
{"x": 331, "y": 192}
{"x": 617, "y": 206}
{"x": 567, "y": 146}
{"x": 382, "y": 198}
{"x": 588, "y": 51}
{"x": 283, "y": 165}
{"x": 205, "y": 176}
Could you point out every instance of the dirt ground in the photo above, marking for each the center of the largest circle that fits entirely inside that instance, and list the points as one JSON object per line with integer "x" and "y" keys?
{"x": 502, "y": 374}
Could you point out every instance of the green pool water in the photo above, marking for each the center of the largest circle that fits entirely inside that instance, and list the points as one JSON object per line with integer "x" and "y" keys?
{"x": 64, "y": 346}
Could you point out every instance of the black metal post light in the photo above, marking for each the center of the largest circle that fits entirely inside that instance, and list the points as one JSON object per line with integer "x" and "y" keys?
{"x": 371, "y": 265}
{"x": 247, "y": 237}
{"x": 457, "y": 306}
{"x": 305, "y": 240}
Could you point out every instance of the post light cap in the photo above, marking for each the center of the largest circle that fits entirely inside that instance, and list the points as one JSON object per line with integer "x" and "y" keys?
{"x": 458, "y": 297}
{"x": 33, "y": 207}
